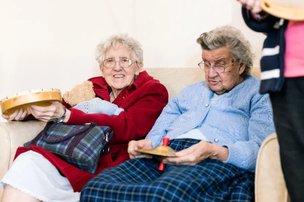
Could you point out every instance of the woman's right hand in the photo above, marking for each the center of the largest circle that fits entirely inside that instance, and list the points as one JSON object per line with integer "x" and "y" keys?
{"x": 134, "y": 145}
{"x": 253, "y": 5}
{"x": 18, "y": 115}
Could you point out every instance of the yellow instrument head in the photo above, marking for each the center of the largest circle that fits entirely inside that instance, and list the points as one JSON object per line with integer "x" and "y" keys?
{"x": 286, "y": 9}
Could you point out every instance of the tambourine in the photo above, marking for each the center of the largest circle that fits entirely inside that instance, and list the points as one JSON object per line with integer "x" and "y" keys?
{"x": 158, "y": 151}
{"x": 286, "y": 9}
{"x": 42, "y": 97}
{"x": 163, "y": 150}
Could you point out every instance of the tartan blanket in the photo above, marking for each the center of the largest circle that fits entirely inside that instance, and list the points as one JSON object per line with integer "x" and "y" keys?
{"x": 139, "y": 180}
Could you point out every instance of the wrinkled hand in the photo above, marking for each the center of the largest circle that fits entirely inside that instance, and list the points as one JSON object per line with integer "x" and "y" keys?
{"x": 47, "y": 113}
{"x": 134, "y": 145}
{"x": 197, "y": 153}
{"x": 18, "y": 115}
{"x": 98, "y": 105}
{"x": 252, "y": 5}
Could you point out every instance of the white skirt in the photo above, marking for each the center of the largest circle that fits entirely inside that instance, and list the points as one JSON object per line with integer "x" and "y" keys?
{"x": 35, "y": 175}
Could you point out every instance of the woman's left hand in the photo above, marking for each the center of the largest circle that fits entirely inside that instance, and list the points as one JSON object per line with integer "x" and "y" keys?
{"x": 197, "y": 153}
{"x": 48, "y": 113}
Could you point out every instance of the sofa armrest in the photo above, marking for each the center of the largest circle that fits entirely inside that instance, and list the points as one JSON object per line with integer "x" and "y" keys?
{"x": 269, "y": 181}
{"x": 12, "y": 135}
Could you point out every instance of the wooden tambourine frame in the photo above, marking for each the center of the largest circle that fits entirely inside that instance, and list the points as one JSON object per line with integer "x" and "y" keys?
{"x": 42, "y": 97}
{"x": 158, "y": 151}
{"x": 290, "y": 9}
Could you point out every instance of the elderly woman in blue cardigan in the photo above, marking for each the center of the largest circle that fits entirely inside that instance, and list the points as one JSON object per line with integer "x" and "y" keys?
{"x": 215, "y": 126}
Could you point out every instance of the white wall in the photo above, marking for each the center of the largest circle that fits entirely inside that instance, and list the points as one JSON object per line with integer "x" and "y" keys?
{"x": 51, "y": 43}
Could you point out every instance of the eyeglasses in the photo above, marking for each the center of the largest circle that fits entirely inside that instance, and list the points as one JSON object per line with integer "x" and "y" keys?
{"x": 123, "y": 62}
{"x": 218, "y": 66}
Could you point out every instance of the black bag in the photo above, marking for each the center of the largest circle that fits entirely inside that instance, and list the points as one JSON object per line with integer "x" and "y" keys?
{"x": 80, "y": 145}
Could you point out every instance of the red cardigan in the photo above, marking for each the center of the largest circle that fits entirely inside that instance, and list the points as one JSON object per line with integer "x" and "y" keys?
{"x": 142, "y": 102}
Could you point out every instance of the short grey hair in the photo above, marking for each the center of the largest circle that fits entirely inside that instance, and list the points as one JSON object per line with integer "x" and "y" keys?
{"x": 123, "y": 39}
{"x": 232, "y": 38}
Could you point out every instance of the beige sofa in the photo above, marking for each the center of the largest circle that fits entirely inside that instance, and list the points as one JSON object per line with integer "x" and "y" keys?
{"x": 270, "y": 185}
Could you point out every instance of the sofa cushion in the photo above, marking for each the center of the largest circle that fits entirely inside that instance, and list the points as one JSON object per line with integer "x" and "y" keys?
{"x": 269, "y": 181}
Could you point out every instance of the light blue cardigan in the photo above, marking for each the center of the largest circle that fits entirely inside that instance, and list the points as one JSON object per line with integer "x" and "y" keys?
{"x": 239, "y": 119}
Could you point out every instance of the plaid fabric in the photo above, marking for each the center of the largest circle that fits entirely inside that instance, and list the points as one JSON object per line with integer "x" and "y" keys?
{"x": 140, "y": 180}
{"x": 80, "y": 145}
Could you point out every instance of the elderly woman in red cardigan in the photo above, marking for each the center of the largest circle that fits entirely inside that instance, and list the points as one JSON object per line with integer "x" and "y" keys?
{"x": 136, "y": 100}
